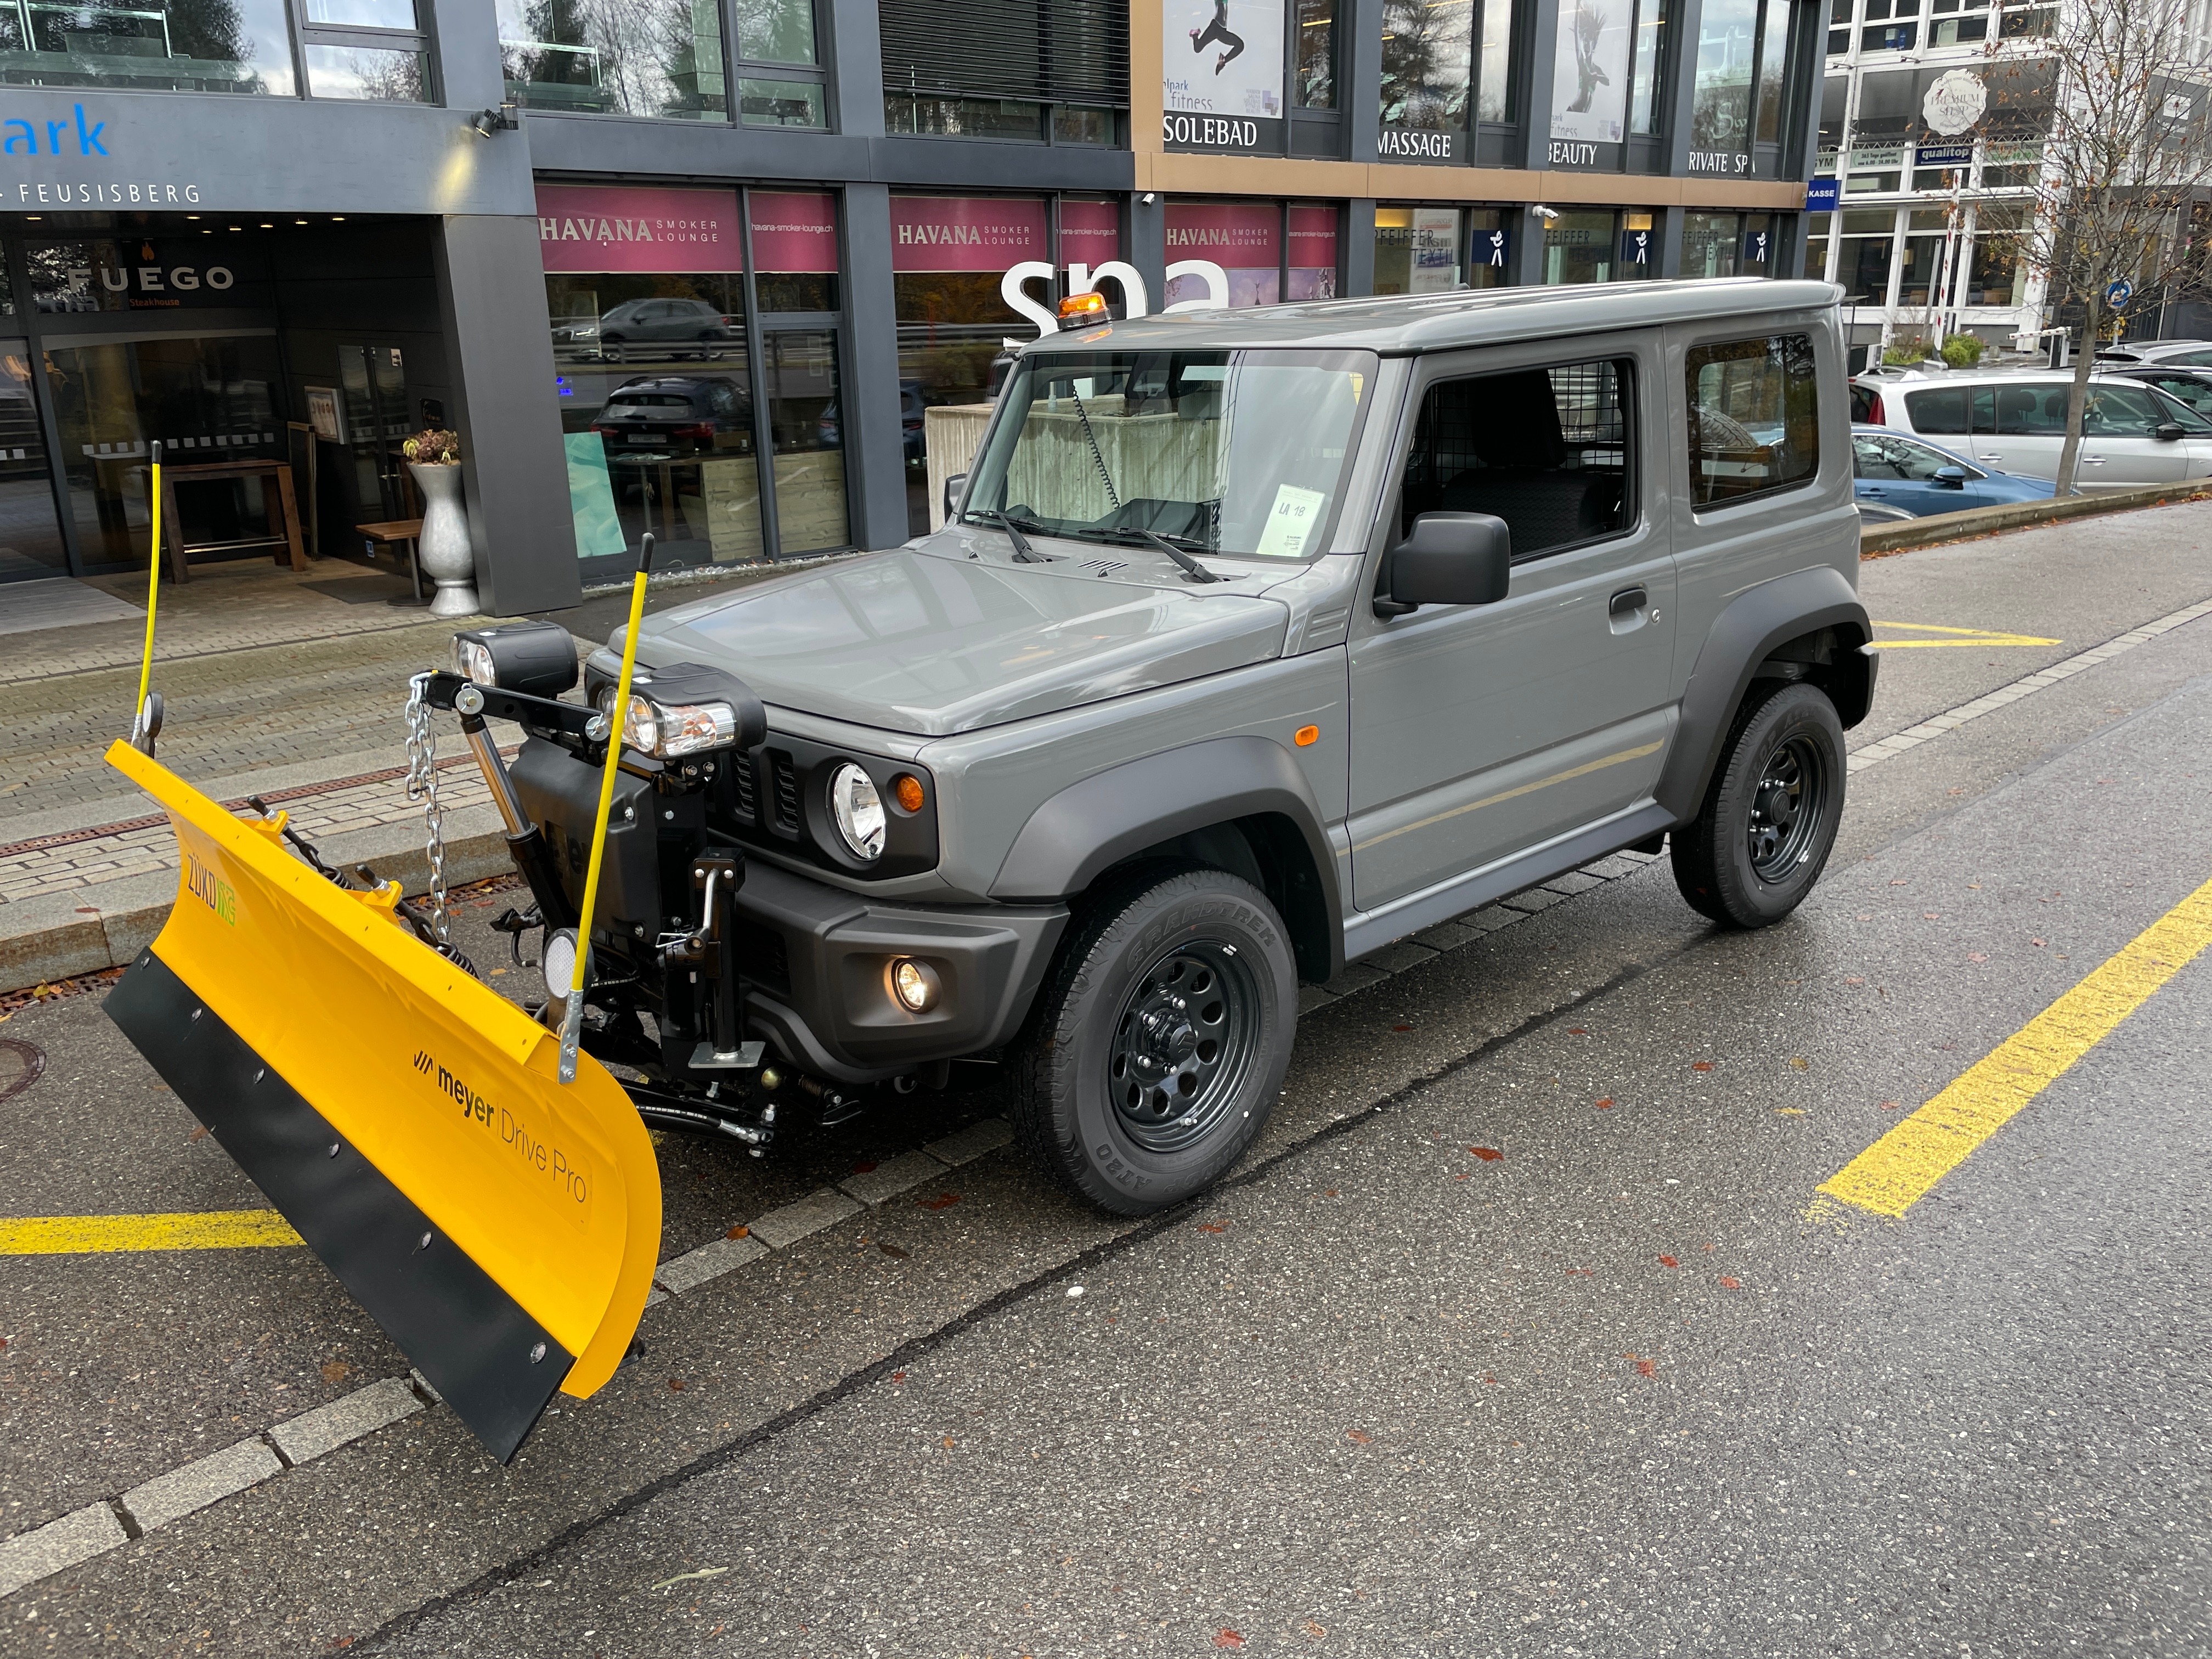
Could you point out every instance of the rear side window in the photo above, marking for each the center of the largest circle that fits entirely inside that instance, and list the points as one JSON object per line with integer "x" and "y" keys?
{"x": 1547, "y": 450}
{"x": 1754, "y": 417}
{"x": 1938, "y": 414}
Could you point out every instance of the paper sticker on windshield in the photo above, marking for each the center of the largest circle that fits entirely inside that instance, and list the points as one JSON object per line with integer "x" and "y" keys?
{"x": 1291, "y": 522}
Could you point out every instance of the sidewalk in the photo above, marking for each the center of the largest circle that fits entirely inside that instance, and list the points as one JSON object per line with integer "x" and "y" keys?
{"x": 291, "y": 688}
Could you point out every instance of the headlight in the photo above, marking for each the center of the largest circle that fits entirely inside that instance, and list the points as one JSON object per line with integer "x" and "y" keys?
{"x": 535, "y": 659}
{"x": 858, "y": 811}
{"x": 669, "y": 730}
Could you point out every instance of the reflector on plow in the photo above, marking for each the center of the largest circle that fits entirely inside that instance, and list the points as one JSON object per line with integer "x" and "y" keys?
{"x": 502, "y": 1227}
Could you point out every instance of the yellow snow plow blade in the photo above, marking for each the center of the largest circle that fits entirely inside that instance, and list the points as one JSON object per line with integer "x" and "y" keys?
{"x": 409, "y": 1121}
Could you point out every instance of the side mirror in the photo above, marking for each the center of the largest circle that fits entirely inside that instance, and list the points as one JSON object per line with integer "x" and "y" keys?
{"x": 1951, "y": 477}
{"x": 2168, "y": 432}
{"x": 953, "y": 486}
{"x": 1450, "y": 558}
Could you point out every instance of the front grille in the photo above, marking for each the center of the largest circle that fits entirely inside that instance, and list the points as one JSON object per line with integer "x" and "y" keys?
{"x": 787, "y": 789}
{"x": 741, "y": 779}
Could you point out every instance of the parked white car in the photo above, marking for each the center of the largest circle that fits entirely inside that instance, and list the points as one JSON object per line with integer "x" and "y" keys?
{"x": 2015, "y": 420}
{"x": 2185, "y": 353}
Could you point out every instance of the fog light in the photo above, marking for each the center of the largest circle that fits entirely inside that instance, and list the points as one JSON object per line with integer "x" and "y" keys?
{"x": 914, "y": 984}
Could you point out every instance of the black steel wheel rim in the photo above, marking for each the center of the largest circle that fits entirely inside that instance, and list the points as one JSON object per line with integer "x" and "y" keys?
{"x": 1789, "y": 804}
{"x": 1185, "y": 1044}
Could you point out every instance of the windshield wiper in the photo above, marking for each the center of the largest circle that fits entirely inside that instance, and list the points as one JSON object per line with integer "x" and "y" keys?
{"x": 1193, "y": 569}
{"x": 1022, "y": 551}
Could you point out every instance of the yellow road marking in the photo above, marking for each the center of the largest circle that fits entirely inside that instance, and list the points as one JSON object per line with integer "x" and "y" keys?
{"x": 94, "y": 1234}
{"x": 1899, "y": 1168}
{"x": 1962, "y": 637}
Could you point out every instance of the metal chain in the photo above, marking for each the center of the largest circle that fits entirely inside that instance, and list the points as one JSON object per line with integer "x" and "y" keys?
{"x": 422, "y": 786}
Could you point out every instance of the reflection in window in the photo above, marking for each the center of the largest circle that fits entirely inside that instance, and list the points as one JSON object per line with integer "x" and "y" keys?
{"x": 1428, "y": 65}
{"x": 370, "y": 73}
{"x": 1579, "y": 247}
{"x": 961, "y": 118}
{"x": 660, "y": 57}
{"x": 165, "y": 46}
{"x": 780, "y": 103}
{"x": 1417, "y": 249}
{"x": 1495, "y": 102}
{"x": 1719, "y": 113}
{"x": 1645, "y": 114}
{"x": 776, "y": 31}
{"x": 1315, "y": 77}
{"x": 1755, "y": 423}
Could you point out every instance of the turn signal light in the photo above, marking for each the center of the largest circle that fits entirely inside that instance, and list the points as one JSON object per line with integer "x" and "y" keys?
{"x": 1306, "y": 736}
{"x": 907, "y": 788}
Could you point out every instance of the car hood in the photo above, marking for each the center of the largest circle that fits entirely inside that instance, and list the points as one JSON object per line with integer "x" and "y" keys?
{"x": 934, "y": 643}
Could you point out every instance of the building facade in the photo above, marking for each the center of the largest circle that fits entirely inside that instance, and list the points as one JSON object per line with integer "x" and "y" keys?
{"x": 699, "y": 267}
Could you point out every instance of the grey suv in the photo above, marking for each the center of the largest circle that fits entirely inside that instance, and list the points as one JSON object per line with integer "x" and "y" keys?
{"x": 1257, "y": 640}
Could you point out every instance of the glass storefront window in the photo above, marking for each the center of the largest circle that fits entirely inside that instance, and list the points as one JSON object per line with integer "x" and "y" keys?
{"x": 155, "y": 273}
{"x": 1417, "y": 249}
{"x": 1313, "y": 80}
{"x": 923, "y": 115}
{"x": 1645, "y": 116}
{"x": 1579, "y": 247}
{"x": 1313, "y": 252}
{"x": 798, "y": 370}
{"x": 1495, "y": 99}
{"x": 1244, "y": 239}
{"x": 1428, "y": 64}
{"x": 1926, "y": 233}
{"x": 1072, "y": 124}
{"x": 657, "y": 57}
{"x": 794, "y": 251}
{"x": 162, "y": 45}
{"x": 207, "y": 398}
{"x": 1773, "y": 44}
{"x": 647, "y": 306}
{"x": 781, "y": 103}
{"x": 30, "y": 535}
{"x": 1709, "y": 244}
{"x": 1862, "y": 267}
{"x": 1997, "y": 275}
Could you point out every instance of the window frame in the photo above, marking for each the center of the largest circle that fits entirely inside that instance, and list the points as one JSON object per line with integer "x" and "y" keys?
{"x": 1700, "y": 509}
{"x": 1624, "y": 359}
{"x": 420, "y": 39}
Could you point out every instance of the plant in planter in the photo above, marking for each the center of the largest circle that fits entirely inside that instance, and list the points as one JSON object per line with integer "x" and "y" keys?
{"x": 443, "y": 552}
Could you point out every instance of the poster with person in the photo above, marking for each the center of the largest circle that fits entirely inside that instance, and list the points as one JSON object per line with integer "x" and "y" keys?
{"x": 1223, "y": 58}
{"x": 1589, "y": 86}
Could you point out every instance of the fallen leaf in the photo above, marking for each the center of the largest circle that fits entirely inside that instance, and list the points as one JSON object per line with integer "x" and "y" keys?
{"x": 1463, "y": 1175}
{"x": 942, "y": 1202}
{"x": 1331, "y": 1192}
{"x": 1576, "y": 1030}
{"x": 1701, "y": 1066}
{"x": 1897, "y": 884}
{"x": 893, "y": 1250}
{"x": 1888, "y": 1105}
{"x": 1727, "y": 1283}
{"x": 1606, "y": 1105}
{"x": 198, "y": 1133}
{"x": 1668, "y": 1261}
{"x": 336, "y": 1371}
{"x": 740, "y": 1232}
{"x": 1487, "y": 1377}
{"x": 2037, "y": 943}
{"x": 948, "y": 1443}
{"x": 898, "y": 1376}
{"x": 1227, "y": 1638}
{"x": 864, "y": 1166}
{"x": 675, "y": 1385}
{"x": 1856, "y": 980}
{"x": 496, "y": 972}
{"x": 1402, "y": 1027}
{"x": 1788, "y": 1111}
{"x": 1359, "y": 1437}
{"x": 1644, "y": 1367}
{"x": 1488, "y": 1154}
{"x": 1978, "y": 956}
{"x": 1798, "y": 1064}
{"x": 1931, "y": 915}
{"x": 1313, "y": 1630}
{"x": 1213, "y": 1226}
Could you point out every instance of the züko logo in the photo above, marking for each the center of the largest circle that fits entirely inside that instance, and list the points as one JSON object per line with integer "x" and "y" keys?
{"x": 211, "y": 890}
{"x": 534, "y": 1153}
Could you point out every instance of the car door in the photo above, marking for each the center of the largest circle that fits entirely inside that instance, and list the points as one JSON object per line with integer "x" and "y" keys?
{"x": 2120, "y": 446}
{"x": 1882, "y": 471}
{"x": 1478, "y": 732}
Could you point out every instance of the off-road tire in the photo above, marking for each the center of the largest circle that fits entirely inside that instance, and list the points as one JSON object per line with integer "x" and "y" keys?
{"x": 1131, "y": 944}
{"x": 1791, "y": 735}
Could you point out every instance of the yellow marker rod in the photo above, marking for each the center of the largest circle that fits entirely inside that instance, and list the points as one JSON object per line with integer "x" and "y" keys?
{"x": 1897, "y": 1170}
{"x": 572, "y": 1023}
{"x": 153, "y": 592}
{"x": 103, "y": 1235}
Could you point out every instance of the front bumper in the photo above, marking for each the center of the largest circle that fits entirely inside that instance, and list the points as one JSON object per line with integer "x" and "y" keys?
{"x": 817, "y": 965}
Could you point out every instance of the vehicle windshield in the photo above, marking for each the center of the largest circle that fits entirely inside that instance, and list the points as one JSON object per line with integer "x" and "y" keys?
{"x": 1239, "y": 452}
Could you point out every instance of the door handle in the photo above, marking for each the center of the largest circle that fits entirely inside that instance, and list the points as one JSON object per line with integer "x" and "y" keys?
{"x": 2093, "y": 460}
{"x": 1991, "y": 456}
{"x": 1627, "y": 600}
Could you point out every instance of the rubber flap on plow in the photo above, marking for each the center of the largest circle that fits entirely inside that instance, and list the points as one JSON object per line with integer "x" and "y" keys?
{"x": 406, "y": 1119}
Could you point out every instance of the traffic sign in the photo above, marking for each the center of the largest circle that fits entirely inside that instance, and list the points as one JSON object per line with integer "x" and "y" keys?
{"x": 2119, "y": 294}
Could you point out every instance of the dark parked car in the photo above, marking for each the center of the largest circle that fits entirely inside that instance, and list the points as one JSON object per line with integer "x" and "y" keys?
{"x": 661, "y": 324}
{"x": 830, "y": 430}
{"x": 676, "y": 414}
{"x": 2192, "y": 386}
{"x": 1916, "y": 479}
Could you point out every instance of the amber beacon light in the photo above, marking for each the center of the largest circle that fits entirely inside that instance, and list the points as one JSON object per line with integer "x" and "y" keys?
{"x": 1079, "y": 310}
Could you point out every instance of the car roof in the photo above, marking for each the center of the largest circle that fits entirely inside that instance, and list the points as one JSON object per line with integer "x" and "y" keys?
{"x": 1400, "y": 324}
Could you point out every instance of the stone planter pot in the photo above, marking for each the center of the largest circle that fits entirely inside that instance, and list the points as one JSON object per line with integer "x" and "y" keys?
{"x": 443, "y": 553}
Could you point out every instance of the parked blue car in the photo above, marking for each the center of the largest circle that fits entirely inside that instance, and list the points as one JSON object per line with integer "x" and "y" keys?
{"x": 1897, "y": 471}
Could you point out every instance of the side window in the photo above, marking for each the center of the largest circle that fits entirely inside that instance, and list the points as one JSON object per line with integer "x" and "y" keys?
{"x": 1754, "y": 417}
{"x": 1861, "y": 404}
{"x": 1547, "y": 450}
{"x": 1939, "y": 414}
{"x": 2037, "y": 410}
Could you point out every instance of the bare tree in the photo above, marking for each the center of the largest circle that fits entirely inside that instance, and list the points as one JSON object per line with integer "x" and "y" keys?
{"x": 2127, "y": 154}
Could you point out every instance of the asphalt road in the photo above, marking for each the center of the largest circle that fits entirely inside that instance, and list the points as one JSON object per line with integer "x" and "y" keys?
{"x": 1631, "y": 1387}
